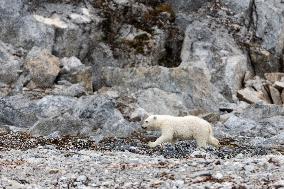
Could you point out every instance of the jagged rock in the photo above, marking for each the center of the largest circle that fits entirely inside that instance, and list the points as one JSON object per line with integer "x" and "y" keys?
{"x": 74, "y": 90}
{"x": 269, "y": 24}
{"x": 66, "y": 29}
{"x": 75, "y": 72}
{"x": 64, "y": 124}
{"x": 102, "y": 56}
{"x": 54, "y": 106}
{"x": 262, "y": 111}
{"x": 248, "y": 76}
{"x": 17, "y": 111}
{"x": 204, "y": 47}
{"x": 186, "y": 6}
{"x": 259, "y": 85}
{"x": 23, "y": 30}
{"x": 275, "y": 95}
{"x": 10, "y": 62}
{"x": 261, "y": 132}
{"x": 238, "y": 7}
{"x": 211, "y": 117}
{"x": 237, "y": 126}
{"x": 43, "y": 68}
{"x": 251, "y": 96}
{"x": 263, "y": 61}
{"x": 255, "y": 83}
{"x": 100, "y": 112}
{"x": 279, "y": 85}
{"x": 265, "y": 19}
{"x": 139, "y": 114}
{"x": 94, "y": 115}
{"x": 165, "y": 102}
{"x": 273, "y": 77}
{"x": 191, "y": 84}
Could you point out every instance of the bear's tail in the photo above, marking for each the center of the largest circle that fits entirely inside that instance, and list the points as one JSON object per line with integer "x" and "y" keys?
{"x": 212, "y": 140}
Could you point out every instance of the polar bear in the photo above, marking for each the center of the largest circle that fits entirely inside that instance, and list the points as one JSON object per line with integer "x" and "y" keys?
{"x": 186, "y": 127}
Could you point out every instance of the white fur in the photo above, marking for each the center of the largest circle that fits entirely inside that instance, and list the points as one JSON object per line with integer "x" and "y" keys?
{"x": 187, "y": 127}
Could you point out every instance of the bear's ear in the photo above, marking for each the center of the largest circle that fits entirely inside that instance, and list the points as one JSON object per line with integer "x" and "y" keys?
{"x": 155, "y": 117}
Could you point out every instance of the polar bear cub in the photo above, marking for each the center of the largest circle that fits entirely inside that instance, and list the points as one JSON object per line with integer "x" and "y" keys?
{"x": 187, "y": 127}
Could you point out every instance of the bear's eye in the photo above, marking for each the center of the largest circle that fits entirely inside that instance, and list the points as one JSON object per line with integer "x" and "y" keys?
{"x": 146, "y": 121}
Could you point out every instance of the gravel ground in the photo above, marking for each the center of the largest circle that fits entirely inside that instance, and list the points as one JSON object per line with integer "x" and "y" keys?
{"x": 70, "y": 162}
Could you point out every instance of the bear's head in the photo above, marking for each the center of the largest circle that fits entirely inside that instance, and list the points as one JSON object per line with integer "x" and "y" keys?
{"x": 150, "y": 122}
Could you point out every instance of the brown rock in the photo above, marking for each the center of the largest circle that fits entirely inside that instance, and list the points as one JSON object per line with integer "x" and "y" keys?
{"x": 76, "y": 72}
{"x": 251, "y": 96}
{"x": 211, "y": 117}
{"x": 84, "y": 75}
{"x": 43, "y": 68}
{"x": 248, "y": 76}
{"x": 261, "y": 59}
{"x": 266, "y": 96}
{"x": 279, "y": 85}
{"x": 273, "y": 77}
{"x": 275, "y": 95}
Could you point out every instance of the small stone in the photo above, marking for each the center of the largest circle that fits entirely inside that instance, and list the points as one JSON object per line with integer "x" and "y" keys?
{"x": 218, "y": 176}
{"x": 53, "y": 171}
{"x": 82, "y": 179}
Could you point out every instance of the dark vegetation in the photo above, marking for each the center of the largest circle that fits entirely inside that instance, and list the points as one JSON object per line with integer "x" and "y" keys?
{"x": 136, "y": 143}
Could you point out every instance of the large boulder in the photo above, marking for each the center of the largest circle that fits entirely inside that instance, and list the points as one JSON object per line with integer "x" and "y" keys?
{"x": 191, "y": 84}
{"x": 11, "y": 61}
{"x": 166, "y": 103}
{"x": 211, "y": 47}
{"x": 76, "y": 72}
{"x": 95, "y": 116}
{"x": 43, "y": 67}
{"x": 265, "y": 132}
{"x": 17, "y": 111}
{"x": 64, "y": 28}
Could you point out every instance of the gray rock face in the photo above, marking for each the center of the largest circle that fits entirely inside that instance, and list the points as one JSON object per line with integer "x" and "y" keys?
{"x": 73, "y": 90}
{"x": 266, "y": 23}
{"x": 265, "y": 129}
{"x": 210, "y": 47}
{"x": 76, "y": 72}
{"x": 191, "y": 84}
{"x": 269, "y": 24}
{"x": 166, "y": 103}
{"x": 187, "y": 6}
{"x": 37, "y": 25}
{"x": 17, "y": 111}
{"x": 87, "y": 116}
{"x": 10, "y": 63}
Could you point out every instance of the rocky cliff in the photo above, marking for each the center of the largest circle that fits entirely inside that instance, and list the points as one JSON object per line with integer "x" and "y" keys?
{"x": 97, "y": 68}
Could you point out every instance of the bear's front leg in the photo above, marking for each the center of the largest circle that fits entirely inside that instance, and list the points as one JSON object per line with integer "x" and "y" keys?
{"x": 160, "y": 140}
